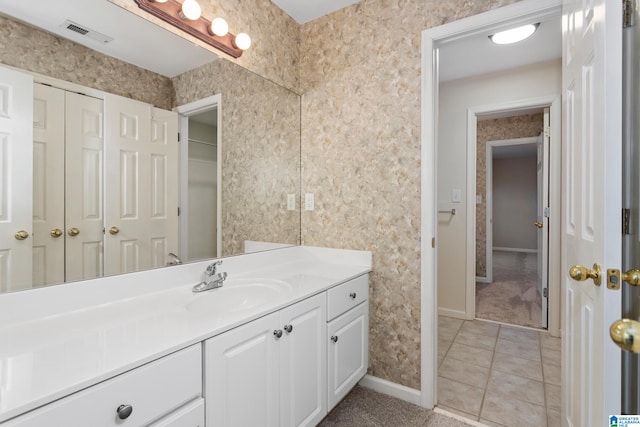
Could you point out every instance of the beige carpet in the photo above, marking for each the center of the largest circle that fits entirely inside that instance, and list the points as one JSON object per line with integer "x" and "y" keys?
{"x": 513, "y": 296}
{"x": 366, "y": 408}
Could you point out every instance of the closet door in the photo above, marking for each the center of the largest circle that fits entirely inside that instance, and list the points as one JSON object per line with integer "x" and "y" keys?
{"x": 141, "y": 185}
{"x": 84, "y": 155}
{"x": 16, "y": 178}
{"x": 48, "y": 185}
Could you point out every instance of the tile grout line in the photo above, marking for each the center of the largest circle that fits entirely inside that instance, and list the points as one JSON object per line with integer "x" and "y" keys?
{"x": 486, "y": 386}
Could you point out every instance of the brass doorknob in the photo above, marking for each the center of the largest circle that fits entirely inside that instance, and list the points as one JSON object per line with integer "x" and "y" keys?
{"x": 580, "y": 273}
{"x": 626, "y": 334}
{"x": 538, "y": 224}
{"x": 114, "y": 230}
{"x": 632, "y": 277}
{"x": 73, "y": 231}
{"x": 21, "y": 235}
{"x": 56, "y": 232}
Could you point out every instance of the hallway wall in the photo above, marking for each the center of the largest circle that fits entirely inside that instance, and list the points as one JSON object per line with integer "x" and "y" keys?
{"x": 543, "y": 79}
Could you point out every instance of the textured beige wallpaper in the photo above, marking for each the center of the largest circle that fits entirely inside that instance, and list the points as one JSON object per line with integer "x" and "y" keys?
{"x": 34, "y": 50}
{"x": 275, "y": 37}
{"x": 493, "y": 130}
{"x": 360, "y": 79}
{"x": 260, "y": 152}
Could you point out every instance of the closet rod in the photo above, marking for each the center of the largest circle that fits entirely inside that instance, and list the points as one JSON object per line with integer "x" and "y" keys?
{"x": 197, "y": 141}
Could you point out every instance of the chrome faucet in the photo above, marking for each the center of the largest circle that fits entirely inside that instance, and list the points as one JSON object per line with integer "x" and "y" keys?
{"x": 175, "y": 260}
{"x": 210, "y": 279}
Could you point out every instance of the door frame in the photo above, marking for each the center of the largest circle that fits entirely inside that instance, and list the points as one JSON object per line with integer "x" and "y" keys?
{"x": 555, "y": 153}
{"x": 489, "y": 197}
{"x": 431, "y": 40}
{"x": 186, "y": 110}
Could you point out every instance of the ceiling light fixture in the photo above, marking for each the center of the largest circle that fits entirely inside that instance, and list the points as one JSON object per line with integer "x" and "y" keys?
{"x": 187, "y": 17}
{"x": 514, "y": 35}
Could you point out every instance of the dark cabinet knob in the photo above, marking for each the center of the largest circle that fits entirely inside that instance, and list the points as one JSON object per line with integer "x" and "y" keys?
{"x": 288, "y": 328}
{"x": 334, "y": 338}
{"x": 352, "y": 295}
{"x": 277, "y": 333}
{"x": 124, "y": 411}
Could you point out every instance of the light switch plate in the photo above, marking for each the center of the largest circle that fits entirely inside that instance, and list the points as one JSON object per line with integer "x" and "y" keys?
{"x": 478, "y": 199}
{"x": 309, "y": 202}
{"x": 456, "y": 196}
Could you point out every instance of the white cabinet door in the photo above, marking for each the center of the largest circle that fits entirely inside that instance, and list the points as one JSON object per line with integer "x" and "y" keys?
{"x": 16, "y": 175}
{"x": 348, "y": 340}
{"x": 242, "y": 374}
{"x": 48, "y": 184}
{"x": 84, "y": 154}
{"x": 303, "y": 363}
{"x": 141, "y": 185}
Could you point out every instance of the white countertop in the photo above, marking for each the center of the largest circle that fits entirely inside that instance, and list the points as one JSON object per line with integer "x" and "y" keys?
{"x": 47, "y": 354}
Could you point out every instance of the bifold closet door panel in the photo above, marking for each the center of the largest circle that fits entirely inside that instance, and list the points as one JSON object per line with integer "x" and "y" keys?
{"x": 16, "y": 179}
{"x": 84, "y": 192}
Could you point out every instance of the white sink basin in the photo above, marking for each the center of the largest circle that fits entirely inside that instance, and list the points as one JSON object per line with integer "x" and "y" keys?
{"x": 237, "y": 295}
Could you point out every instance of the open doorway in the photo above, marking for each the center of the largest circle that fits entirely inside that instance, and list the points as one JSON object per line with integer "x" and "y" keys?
{"x": 200, "y": 179}
{"x": 511, "y": 200}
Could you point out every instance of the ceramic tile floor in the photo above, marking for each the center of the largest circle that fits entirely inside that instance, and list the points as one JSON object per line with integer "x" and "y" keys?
{"x": 497, "y": 374}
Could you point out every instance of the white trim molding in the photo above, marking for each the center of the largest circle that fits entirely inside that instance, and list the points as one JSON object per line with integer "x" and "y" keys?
{"x": 389, "y": 388}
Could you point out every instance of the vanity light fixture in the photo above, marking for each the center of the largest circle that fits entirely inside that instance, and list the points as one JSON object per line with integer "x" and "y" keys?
{"x": 187, "y": 17}
{"x": 514, "y": 35}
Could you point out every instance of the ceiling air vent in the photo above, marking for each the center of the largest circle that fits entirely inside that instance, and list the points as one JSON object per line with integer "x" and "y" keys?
{"x": 86, "y": 32}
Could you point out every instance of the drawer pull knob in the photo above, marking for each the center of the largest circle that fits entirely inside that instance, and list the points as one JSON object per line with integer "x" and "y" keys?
{"x": 277, "y": 333}
{"x": 352, "y": 295}
{"x": 124, "y": 411}
{"x": 334, "y": 338}
{"x": 288, "y": 328}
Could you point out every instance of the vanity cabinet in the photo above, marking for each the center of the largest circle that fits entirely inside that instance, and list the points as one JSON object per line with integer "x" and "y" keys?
{"x": 163, "y": 393}
{"x": 348, "y": 337}
{"x": 271, "y": 371}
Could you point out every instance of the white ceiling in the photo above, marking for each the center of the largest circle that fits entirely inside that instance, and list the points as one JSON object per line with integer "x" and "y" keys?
{"x": 477, "y": 55}
{"x": 135, "y": 40}
{"x": 304, "y": 11}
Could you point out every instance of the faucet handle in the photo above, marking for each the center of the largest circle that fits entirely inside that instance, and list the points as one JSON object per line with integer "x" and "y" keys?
{"x": 211, "y": 269}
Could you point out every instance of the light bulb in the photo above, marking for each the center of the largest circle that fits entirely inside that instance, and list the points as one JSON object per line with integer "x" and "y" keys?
{"x": 191, "y": 10}
{"x": 219, "y": 27}
{"x": 514, "y": 35}
{"x": 243, "y": 41}
{"x": 159, "y": 1}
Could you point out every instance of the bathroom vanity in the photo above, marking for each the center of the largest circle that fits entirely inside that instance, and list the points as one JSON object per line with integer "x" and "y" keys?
{"x": 279, "y": 344}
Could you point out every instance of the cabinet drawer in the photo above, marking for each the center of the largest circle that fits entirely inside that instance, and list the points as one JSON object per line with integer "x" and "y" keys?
{"x": 347, "y": 295}
{"x": 191, "y": 415}
{"x": 153, "y": 391}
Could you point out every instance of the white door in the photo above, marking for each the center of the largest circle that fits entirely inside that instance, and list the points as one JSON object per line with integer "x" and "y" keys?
{"x": 163, "y": 158}
{"x": 84, "y": 219}
{"x": 16, "y": 179}
{"x": 542, "y": 221}
{"x": 591, "y": 219}
{"x": 242, "y": 375}
{"x": 48, "y": 185}
{"x": 303, "y": 362}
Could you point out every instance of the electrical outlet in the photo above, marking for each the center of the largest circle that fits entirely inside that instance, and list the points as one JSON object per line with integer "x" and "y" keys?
{"x": 309, "y": 202}
{"x": 291, "y": 202}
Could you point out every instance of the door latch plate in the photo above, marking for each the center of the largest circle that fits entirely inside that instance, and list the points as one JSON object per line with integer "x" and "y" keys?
{"x": 613, "y": 278}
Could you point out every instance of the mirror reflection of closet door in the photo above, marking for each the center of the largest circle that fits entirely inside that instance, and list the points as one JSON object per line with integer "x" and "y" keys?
{"x": 16, "y": 145}
{"x": 48, "y": 185}
{"x": 84, "y": 150}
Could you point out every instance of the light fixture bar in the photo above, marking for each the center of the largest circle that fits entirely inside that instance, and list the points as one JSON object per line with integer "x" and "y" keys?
{"x": 169, "y": 11}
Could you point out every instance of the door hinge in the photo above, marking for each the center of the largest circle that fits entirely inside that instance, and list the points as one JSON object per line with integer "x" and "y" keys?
{"x": 547, "y": 212}
{"x": 433, "y": 242}
{"x": 626, "y": 221}
{"x": 628, "y": 18}
{"x": 178, "y": 136}
{"x": 178, "y": 210}
{"x": 545, "y": 292}
{"x": 547, "y": 132}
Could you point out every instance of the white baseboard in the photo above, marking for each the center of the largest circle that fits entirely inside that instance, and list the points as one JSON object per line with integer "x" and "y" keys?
{"x": 399, "y": 391}
{"x": 456, "y": 314}
{"x": 529, "y": 251}
{"x": 482, "y": 279}
{"x": 458, "y": 417}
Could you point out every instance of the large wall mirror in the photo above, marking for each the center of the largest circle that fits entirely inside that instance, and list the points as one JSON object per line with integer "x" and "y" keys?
{"x": 224, "y": 189}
